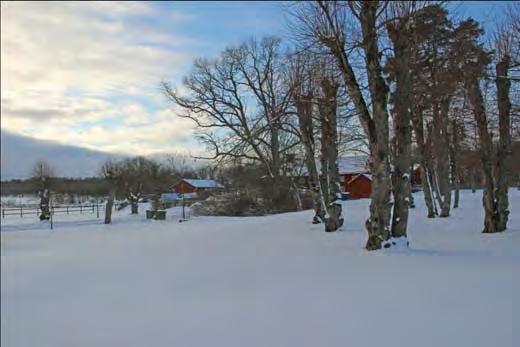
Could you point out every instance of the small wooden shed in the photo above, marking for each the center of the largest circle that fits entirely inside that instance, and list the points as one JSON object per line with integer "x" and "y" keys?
{"x": 359, "y": 186}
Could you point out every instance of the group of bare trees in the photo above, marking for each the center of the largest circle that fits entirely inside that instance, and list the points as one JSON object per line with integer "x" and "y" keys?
{"x": 418, "y": 82}
{"x": 435, "y": 64}
{"x": 246, "y": 103}
{"x": 131, "y": 178}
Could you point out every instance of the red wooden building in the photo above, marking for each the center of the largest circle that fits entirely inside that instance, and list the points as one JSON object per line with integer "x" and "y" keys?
{"x": 358, "y": 186}
{"x": 186, "y": 186}
{"x": 354, "y": 177}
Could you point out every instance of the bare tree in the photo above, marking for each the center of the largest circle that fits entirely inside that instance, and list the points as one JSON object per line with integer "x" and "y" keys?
{"x": 326, "y": 23}
{"x": 474, "y": 70}
{"x": 241, "y": 100}
{"x": 110, "y": 172}
{"x": 42, "y": 174}
{"x": 135, "y": 177}
{"x": 328, "y": 110}
{"x": 304, "y": 78}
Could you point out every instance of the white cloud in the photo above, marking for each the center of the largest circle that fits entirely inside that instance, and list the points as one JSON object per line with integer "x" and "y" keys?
{"x": 87, "y": 73}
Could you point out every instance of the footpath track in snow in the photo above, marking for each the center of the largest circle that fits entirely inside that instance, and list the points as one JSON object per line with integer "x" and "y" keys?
{"x": 260, "y": 281}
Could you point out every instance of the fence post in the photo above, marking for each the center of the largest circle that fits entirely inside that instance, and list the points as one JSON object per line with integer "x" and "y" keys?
{"x": 3, "y": 212}
{"x": 21, "y": 212}
{"x": 80, "y": 209}
{"x": 97, "y": 208}
{"x": 67, "y": 209}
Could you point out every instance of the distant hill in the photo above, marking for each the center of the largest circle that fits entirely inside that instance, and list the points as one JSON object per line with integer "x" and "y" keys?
{"x": 19, "y": 153}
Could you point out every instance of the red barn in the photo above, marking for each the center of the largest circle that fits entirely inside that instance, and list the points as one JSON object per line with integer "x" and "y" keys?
{"x": 359, "y": 186}
{"x": 416, "y": 176}
{"x": 194, "y": 186}
{"x": 354, "y": 176}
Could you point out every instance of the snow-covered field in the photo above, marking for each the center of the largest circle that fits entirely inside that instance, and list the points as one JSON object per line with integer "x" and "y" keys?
{"x": 259, "y": 281}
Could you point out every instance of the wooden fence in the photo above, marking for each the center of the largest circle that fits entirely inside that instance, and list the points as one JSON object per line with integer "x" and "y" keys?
{"x": 35, "y": 210}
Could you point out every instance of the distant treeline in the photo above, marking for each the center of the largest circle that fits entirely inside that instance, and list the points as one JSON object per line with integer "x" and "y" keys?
{"x": 92, "y": 186}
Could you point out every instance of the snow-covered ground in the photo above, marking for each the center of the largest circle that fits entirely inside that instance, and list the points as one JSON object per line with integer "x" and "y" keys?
{"x": 259, "y": 281}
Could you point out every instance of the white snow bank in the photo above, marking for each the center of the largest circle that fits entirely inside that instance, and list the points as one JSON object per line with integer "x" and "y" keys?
{"x": 261, "y": 281}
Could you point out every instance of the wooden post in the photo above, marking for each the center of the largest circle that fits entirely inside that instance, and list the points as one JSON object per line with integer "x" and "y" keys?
{"x": 67, "y": 209}
{"x": 97, "y": 208}
{"x": 21, "y": 212}
{"x": 183, "y": 202}
{"x": 80, "y": 209}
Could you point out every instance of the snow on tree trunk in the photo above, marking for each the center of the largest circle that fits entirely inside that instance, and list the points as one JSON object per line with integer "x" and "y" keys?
{"x": 45, "y": 204}
{"x": 503, "y": 85}
{"x": 378, "y": 225}
{"x": 328, "y": 107}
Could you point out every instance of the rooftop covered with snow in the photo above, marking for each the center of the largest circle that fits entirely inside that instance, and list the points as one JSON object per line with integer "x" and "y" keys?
{"x": 203, "y": 183}
{"x": 346, "y": 165}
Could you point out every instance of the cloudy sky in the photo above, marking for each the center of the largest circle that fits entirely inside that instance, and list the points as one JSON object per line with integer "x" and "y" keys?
{"x": 88, "y": 73}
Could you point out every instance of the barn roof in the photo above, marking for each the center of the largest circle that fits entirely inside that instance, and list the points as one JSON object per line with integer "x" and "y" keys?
{"x": 346, "y": 165}
{"x": 359, "y": 175}
{"x": 203, "y": 183}
{"x": 352, "y": 164}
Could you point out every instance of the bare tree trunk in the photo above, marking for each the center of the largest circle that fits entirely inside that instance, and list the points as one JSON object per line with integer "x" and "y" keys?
{"x": 134, "y": 202}
{"x": 134, "y": 207}
{"x": 454, "y": 150}
{"x": 378, "y": 229}
{"x": 304, "y": 110}
{"x": 275, "y": 148}
{"x": 486, "y": 153}
{"x": 418, "y": 127}
{"x": 456, "y": 185}
{"x": 402, "y": 129}
{"x": 328, "y": 106}
{"x": 375, "y": 125}
{"x": 504, "y": 149}
{"x": 45, "y": 204}
{"x": 296, "y": 193}
{"x": 109, "y": 206}
{"x": 473, "y": 181}
{"x": 442, "y": 161}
